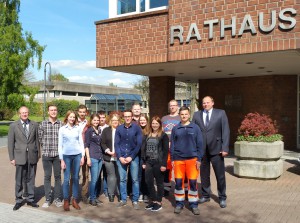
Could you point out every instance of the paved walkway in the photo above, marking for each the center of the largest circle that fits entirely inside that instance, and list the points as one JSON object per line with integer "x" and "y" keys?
{"x": 249, "y": 200}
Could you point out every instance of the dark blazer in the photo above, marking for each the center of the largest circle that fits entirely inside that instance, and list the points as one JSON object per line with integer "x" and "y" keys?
{"x": 106, "y": 142}
{"x": 216, "y": 134}
{"x": 18, "y": 143}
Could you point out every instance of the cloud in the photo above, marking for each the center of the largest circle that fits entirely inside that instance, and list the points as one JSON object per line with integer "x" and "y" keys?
{"x": 82, "y": 79}
{"x": 119, "y": 82}
{"x": 74, "y": 64}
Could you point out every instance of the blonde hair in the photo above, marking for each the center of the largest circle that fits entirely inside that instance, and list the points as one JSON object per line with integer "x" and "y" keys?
{"x": 160, "y": 130}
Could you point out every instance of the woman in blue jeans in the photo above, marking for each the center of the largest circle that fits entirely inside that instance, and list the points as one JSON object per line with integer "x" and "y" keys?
{"x": 71, "y": 154}
{"x": 94, "y": 156}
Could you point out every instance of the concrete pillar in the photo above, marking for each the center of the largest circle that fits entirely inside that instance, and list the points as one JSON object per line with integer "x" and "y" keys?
{"x": 161, "y": 91}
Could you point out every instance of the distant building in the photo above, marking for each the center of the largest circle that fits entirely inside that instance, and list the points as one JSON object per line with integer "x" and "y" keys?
{"x": 95, "y": 97}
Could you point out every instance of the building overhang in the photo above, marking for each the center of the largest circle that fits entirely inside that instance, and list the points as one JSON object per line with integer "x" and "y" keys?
{"x": 245, "y": 65}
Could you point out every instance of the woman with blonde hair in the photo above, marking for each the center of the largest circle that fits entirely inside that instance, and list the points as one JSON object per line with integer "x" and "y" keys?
{"x": 71, "y": 153}
{"x": 154, "y": 156}
{"x": 109, "y": 156}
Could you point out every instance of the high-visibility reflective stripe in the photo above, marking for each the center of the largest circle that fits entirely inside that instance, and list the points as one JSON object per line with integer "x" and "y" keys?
{"x": 179, "y": 191}
{"x": 193, "y": 199}
{"x": 193, "y": 193}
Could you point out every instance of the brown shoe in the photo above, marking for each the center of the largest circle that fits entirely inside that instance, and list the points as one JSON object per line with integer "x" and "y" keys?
{"x": 66, "y": 205}
{"x": 75, "y": 204}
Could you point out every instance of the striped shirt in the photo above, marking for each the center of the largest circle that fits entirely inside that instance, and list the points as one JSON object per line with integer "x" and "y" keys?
{"x": 48, "y": 137}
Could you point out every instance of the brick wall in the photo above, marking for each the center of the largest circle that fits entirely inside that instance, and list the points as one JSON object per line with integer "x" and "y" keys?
{"x": 271, "y": 95}
{"x": 185, "y": 12}
{"x": 131, "y": 40}
{"x": 159, "y": 99}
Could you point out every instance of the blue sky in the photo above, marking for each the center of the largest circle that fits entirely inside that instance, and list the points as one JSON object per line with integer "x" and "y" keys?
{"x": 67, "y": 29}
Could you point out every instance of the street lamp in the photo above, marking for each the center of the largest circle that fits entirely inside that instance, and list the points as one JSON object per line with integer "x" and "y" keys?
{"x": 47, "y": 85}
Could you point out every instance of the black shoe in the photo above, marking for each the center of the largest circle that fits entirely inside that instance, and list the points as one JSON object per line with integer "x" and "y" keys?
{"x": 17, "y": 206}
{"x": 111, "y": 198}
{"x": 32, "y": 204}
{"x": 223, "y": 203}
{"x": 203, "y": 200}
{"x": 166, "y": 193}
{"x": 149, "y": 206}
{"x": 119, "y": 197}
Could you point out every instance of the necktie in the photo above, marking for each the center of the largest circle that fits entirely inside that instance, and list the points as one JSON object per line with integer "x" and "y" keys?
{"x": 207, "y": 118}
{"x": 25, "y": 130}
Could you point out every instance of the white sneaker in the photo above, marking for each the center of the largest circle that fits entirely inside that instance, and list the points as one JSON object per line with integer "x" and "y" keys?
{"x": 141, "y": 198}
{"x": 135, "y": 205}
{"x": 298, "y": 160}
{"x": 46, "y": 204}
{"x": 58, "y": 203}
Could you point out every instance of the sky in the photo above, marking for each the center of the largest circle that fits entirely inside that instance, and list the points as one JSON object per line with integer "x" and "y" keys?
{"x": 67, "y": 29}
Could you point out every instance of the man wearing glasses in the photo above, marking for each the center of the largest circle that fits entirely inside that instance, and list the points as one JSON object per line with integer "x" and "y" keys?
{"x": 128, "y": 142}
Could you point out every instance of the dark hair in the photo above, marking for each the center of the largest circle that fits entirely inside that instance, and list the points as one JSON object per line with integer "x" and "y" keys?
{"x": 135, "y": 103}
{"x": 67, "y": 115}
{"x": 128, "y": 110}
{"x": 92, "y": 117}
{"x": 101, "y": 113}
{"x": 51, "y": 105}
{"x": 184, "y": 108}
{"x": 82, "y": 107}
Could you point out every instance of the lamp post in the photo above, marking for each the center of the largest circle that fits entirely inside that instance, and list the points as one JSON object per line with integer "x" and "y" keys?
{"x": 47, "y": 85}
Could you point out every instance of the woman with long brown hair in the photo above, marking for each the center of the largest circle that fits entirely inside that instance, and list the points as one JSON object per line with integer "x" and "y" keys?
{"x": 154, "y": 156}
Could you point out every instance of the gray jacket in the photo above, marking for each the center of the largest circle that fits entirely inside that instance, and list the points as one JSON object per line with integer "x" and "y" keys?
{"x": 19, "y": 147}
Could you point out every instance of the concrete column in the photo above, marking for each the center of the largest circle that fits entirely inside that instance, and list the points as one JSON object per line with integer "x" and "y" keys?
{"x": 161, "y": 91}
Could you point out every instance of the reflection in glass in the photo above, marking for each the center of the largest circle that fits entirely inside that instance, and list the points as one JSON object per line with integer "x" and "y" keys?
{"x": 126, "y": 6}
{"x": 158, "y": 3}
{"x": 143, "y": 6}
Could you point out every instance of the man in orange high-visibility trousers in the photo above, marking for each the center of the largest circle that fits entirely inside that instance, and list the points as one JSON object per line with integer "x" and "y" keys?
{"x": 186, "y": 154}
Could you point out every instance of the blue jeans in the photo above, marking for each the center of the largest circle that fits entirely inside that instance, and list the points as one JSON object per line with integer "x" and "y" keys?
{"x": 74, "y": 162}
{"x": 134, "y": 171}
{"x": 95, "y": 172}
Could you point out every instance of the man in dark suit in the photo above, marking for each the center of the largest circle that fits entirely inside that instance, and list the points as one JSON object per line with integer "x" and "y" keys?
{"x": 24, "y": 153}
{"x": 215, "y": 130}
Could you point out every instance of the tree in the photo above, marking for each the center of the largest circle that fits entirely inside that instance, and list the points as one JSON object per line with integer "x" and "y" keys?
{"x": 143, "y": 86}
{"x": 57, "y": 76}
{"x": 17, "y": 52}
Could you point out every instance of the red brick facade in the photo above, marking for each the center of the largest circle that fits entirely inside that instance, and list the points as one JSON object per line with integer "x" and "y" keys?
{"x": 271, "y": 95}
{"x": 145, "y": 39}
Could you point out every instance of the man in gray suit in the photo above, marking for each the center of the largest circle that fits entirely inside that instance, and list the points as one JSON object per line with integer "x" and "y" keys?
{"x": 215, "y": 130}
{"x": 24, "y": 153}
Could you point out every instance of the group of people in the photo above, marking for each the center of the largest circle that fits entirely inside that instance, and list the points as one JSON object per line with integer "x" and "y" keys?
{"x": 136, "y": 157}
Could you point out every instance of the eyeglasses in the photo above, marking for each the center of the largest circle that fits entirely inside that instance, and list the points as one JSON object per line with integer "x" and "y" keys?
{"x": 115, "y": 120}
{"x": 127, "y": 116}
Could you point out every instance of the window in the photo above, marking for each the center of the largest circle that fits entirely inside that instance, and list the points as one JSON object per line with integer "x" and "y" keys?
{"x": 128, "y": 7}
{"x": 158, "y": 3}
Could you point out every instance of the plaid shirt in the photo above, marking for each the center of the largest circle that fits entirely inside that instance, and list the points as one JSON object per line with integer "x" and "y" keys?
{"x": 48, "y": 137}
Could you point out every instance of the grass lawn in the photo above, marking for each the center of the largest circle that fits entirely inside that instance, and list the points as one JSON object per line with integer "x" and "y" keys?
{"x": 4, "y": 130}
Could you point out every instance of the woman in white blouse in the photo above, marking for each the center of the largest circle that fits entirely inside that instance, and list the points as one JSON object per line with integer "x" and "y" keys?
{"x": 71, "y": 154}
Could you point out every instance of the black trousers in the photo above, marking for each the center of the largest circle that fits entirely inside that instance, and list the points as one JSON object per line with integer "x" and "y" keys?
{"x": 152, "y": 172}
{"x": 25, "y": 175}
{"x": 218, "y": 165}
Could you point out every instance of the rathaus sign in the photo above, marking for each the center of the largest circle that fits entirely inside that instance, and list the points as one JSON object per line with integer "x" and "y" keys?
{"x": 285, "y": 21}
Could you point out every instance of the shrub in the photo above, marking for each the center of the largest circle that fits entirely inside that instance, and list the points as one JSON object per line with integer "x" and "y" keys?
{"x": 6, "y": 114}
{"x": 258, "y": 128}
{"x": 64, "y": 105}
